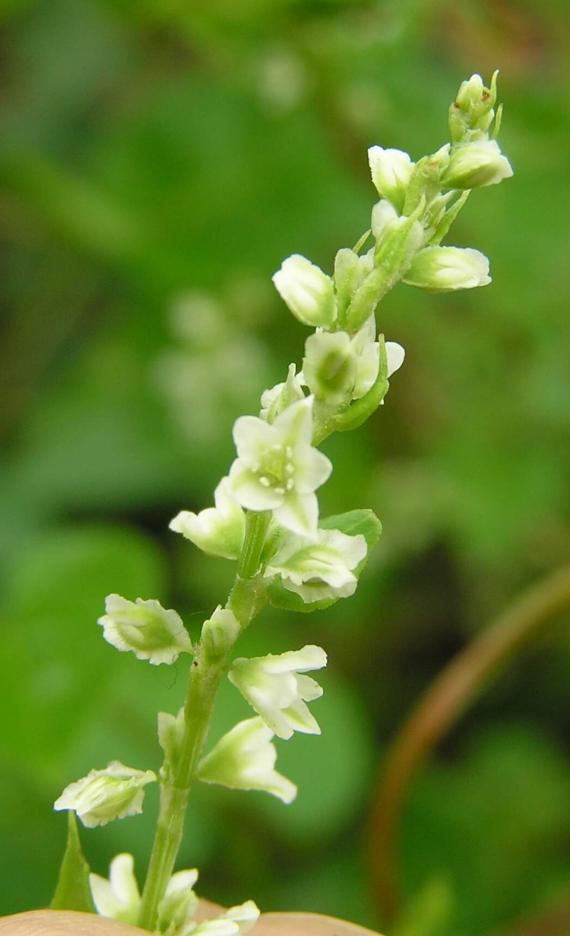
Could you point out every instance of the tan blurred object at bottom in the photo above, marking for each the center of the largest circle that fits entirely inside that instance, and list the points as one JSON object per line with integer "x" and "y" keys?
{"x": 66, "y": 923}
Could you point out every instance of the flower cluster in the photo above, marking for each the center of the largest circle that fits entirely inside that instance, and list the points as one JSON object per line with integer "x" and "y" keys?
{"x": 266, "y": 514}
{"x": 119, "y": 898}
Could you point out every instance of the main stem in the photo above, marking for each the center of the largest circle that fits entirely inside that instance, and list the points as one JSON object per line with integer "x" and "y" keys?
{"x": 203, "y": 681}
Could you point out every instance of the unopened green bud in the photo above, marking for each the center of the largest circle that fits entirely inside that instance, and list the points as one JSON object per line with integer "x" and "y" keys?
{"x": 219, "y": 633}
{"x": 150, "y": 631}
{"x": 445, "y": 269}
{"x": 307, "y": 291}
{"x": 472, "y": 112}
{"x": 103, "y": 795}
{"x": 350, "y": 271}
{"x": 171, "y": 730}
{"x": 329, "y": 366}
{"x": 476, "y": 164}
{"x": 282, "y": 395}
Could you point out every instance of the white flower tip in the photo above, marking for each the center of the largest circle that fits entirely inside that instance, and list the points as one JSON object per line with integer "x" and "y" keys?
{"x": 395, "y": 356}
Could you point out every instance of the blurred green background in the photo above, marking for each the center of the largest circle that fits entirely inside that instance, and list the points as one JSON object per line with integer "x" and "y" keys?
{"x": 158, "y": 160}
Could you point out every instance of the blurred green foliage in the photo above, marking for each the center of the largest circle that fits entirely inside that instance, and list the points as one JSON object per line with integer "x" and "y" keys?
{"x": 158, "y": 160}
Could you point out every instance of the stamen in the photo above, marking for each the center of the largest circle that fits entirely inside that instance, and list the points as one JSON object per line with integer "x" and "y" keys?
{"x": 265, "y": 481}
{"x": 290, "y": 484}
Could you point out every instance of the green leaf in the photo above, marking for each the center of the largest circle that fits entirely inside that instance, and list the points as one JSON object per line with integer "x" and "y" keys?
{"x": 354, "y": 522}
{"x": 72, "y": 891}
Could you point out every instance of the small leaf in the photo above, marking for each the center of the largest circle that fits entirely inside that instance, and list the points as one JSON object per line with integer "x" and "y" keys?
{"x": 72, "y": 891}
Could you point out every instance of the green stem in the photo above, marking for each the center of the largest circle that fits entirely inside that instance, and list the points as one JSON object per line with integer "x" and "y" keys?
{"x": 245, "y": 601}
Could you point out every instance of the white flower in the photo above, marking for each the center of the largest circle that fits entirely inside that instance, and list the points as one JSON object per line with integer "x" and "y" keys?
{"x": 237, "y": 921}
{"x": 476, "y": 164}
{"x": 277, "y": 467}
{"x": 391, "y": 173}
{"x": 329, "y": 366}
{"x": 307, "y": 291}
{"x": 244, "y": 759}
{"x": 275, "y": 690}
{"x": 103, "y": 795}
{"x": 145, "y": 627}
{"x": 118, "y": 897}
{"x": 218, "y": 530}
{"x": 321, "y": 568}
{"x": 442, "y": 269}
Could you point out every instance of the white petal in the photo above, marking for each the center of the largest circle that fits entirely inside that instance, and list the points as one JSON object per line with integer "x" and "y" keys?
{"x": 249, "y": 491}
{"x": 313, "y": 469}
{"x": 252, "y": 436}
{"x": 299, "y": 513}
{"x": 395, "y": 355}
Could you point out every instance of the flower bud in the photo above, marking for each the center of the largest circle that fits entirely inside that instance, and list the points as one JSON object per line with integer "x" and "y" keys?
{"x": 307, "y": 291}
{"x": 476, "y": 164}
{"x": 282, "y": 395}
{"x": 103, "y": 795}
{"x": 329, "y": 366}
{"x": 171, "y": 730}
{"x": 350, "y": 271}
{"x": 244, "y": 759}
{"x": 145, "y": 627}
{"x": 391, "y": 172}
{"x": 472, "y": 112}
{"x": 444, "y": 269}
{"x": 218, "y": 530}
{"x": 219, "y": 633}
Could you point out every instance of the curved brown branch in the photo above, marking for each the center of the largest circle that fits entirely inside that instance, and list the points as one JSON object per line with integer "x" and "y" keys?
{"x": 440, "y": 707}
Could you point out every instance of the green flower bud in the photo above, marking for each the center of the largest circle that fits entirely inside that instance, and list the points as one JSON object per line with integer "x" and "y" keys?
{"x": 445, "y": 269}
{"x": 476, "y": 164}
{"x": 329, "y": 366}
{"x": 103, "y": 795}
{"x": 472, "y": 112}
{"x": 307, "y": 291}
{"x": 219, "y": 633}
{"x": 145, "y": 627}
{"x": 275, "y": 400}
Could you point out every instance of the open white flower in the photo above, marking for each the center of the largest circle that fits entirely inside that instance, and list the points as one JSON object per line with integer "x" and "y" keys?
{"x": 278, "y": 469}
{"x": 114, "y": 792}
{"x": 150, "y": 631}
{"x": 321, "y": 568}
{"x": 275, "y": 690}
{"x": 237, "y": 921}
{"x": 444, "y": 269}
{"x": 218, "y": 530}
{"x": 391, "y": 171}
{"x": 119, "y": 897}
{"x": 244, "y": 759}
{"x": 308, "y": 292}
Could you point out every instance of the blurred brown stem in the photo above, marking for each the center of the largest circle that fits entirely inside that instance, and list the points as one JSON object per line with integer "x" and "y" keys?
{"x": 440, "y": 707}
